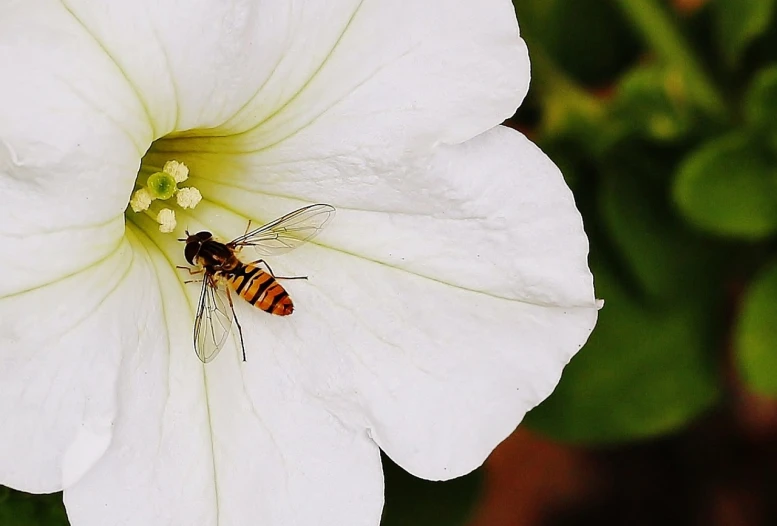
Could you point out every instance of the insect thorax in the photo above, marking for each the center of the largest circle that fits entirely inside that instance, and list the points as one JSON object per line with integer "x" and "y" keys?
{"x": 217, "y": 256}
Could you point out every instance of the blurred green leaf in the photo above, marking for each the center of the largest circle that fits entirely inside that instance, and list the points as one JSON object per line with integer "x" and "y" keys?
{"x": 652, "y": 101}
{"x": 569, "y": 111}
{"x": 659, "y": 29}
{"x": 667, "y": 261}
{"x": 728, "y": 186}
{"x": 760, "y": 105}
{"x": 756, "y": 334}
{"x": 738, "y": 22}
{"x": 646, "y": 370}
{"x": 579, "y": 37}
{"x": 411, "y": 501}
{"x": 23, "y": 509}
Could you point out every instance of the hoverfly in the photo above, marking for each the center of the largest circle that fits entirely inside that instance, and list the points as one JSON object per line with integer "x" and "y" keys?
{"x": 223, "y": 271}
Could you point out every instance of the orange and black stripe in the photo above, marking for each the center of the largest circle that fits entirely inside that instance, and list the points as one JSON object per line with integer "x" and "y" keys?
{"x": 260, "y": 289}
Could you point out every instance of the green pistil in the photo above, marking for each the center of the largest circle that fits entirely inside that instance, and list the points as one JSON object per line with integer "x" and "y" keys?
{"x": 161, "y": 185}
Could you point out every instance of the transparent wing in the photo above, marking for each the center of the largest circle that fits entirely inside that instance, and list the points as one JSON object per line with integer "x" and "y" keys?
{"x": 213, "y": 320}
{"x": 287, "y": 232}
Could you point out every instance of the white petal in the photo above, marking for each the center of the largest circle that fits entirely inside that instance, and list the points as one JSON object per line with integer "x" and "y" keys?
{"x": 350, "y": 87}
{"x": 60, "y": 348}
{"x": 439, "y": 327}
{"x": 460, "y": 67}
{"x": 438, "y": 374}
{"x": 208, "y": 445}
{"x": 70, "y": 142}
{"x": 71, "y": 135}
{"x": 492, "y": 215}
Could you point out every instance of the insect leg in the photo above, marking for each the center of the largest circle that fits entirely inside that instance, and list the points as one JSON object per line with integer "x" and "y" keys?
{"x": 237, "y": 322}
{"x": 263, "y": 262}
{"x": 191, "y": 272}
{"x": 238, "y": 249}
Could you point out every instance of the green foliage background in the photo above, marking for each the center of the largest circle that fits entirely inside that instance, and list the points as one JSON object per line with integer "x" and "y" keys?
{"x": 665, "y": 125}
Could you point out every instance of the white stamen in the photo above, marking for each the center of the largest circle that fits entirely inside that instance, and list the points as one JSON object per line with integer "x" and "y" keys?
{"x": 166, "y": 220}
{"x": 140, "y": 200}
{"x": 179, "y": 171}
{"x": 188, "y": 197}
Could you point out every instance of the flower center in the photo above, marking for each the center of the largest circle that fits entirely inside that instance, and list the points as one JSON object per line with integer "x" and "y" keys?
{"x": 161, "y": 185}
{"x": 155, "y": 189}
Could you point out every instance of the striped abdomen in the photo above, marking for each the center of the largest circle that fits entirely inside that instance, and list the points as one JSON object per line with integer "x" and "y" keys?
{"x": 260, "y": 289}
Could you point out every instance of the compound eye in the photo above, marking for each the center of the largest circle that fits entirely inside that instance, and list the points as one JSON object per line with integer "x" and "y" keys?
{"x": 190, "y": 251}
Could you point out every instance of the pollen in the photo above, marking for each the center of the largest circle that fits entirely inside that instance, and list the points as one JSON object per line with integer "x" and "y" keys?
{"x": 166, "y": 220}
{"x": 140, "y": 200}
{"x": 188, "y": 197}
{"x": 179, "y": 171}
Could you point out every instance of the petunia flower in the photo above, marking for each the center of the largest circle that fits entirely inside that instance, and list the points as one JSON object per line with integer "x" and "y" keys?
{"x": 442, "y": 303}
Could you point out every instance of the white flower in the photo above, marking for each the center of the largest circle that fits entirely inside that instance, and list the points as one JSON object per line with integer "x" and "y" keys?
{"x": 442, "y": 302}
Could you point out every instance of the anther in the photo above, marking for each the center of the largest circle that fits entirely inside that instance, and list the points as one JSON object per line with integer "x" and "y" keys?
{"x": 166, "y": 220}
